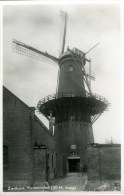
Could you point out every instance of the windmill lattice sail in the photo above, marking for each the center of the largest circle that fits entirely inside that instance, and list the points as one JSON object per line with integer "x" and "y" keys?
{"x": 23, "y": 49}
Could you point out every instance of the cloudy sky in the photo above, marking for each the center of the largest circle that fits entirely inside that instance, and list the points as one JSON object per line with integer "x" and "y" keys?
{"x": 39, "y": 27}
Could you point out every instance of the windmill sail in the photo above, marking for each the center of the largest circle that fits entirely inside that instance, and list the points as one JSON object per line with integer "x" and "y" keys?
{"x": 63, "y": 16}
{"x": 21, "y": 48}
{"x": 89, "y": 72}
{"x": 91, "y": 48}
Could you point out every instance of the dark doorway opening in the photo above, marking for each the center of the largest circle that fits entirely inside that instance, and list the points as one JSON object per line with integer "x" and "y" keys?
{"x": 74, "y": 165}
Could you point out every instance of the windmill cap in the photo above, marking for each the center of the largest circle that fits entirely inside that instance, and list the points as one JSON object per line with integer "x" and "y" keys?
{"x": 74, "y": 50}
{"x": 78, "y": 52}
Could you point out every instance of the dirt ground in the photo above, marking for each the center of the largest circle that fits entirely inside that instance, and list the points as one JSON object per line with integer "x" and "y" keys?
{"x": 79, "y": 182}
{"x": 72, "y": 182}
{"x": 103, "y": 186}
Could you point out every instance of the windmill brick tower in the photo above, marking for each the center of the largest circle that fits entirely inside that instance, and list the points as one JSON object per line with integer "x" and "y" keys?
{"x": 74, "y": 108}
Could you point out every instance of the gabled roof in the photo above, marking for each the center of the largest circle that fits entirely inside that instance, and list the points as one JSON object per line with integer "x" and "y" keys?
{"x": 4, "y": 88}
{"x": 30, "y": 108}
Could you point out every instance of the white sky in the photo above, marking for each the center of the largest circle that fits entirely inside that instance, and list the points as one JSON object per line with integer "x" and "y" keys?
{"x": 39, "y": 27}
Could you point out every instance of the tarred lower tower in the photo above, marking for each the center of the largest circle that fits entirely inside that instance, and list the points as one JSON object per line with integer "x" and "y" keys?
{"x": 74, "y": 111}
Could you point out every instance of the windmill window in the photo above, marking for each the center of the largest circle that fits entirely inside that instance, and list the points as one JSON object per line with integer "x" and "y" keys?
{"x": 70, "y": 68}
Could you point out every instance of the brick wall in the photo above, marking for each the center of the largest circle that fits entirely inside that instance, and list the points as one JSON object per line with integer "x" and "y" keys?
{"x": 104, "y": 162}
{"x": 42, "y": 136}
{"x": 17, "y": 138}
{"x": 39, "y": 165}
{"x": 22, "y": 130}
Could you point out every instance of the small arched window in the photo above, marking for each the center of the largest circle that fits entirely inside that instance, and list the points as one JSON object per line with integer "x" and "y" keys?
{"x": 72, "y": 117}
{"x": 70, "y": 68}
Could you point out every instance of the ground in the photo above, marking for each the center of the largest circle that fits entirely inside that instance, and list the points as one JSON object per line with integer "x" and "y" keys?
{"x": 79, "y": 182}
{"x": 72, "y": 182}
{"x": 109, "y": 185}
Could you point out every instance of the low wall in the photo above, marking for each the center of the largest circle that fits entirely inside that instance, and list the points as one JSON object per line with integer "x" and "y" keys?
{"x": 104, "y": 161}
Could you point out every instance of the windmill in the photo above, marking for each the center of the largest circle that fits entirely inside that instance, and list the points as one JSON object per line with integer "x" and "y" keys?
{"x": 73, "y": 108}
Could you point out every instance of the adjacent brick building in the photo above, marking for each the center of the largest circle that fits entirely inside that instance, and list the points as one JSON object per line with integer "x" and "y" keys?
{"x": 104, "y": 162}
{"x": 29, "y": 155}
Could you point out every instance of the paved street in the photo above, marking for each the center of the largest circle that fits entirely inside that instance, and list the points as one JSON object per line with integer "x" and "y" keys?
{"x": 72, "y": 182}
